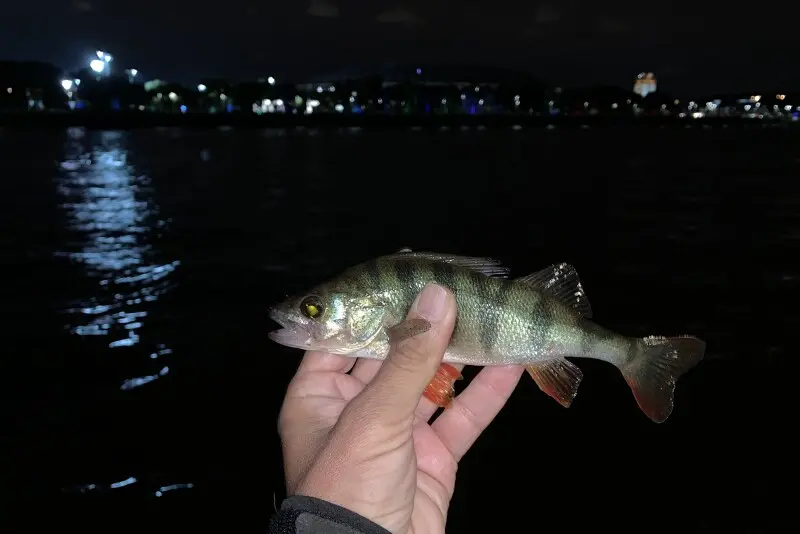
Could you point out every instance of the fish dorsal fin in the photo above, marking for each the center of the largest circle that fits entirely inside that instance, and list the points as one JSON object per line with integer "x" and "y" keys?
{"x": 485, "y": 266}
{"x": 561, "y": 282}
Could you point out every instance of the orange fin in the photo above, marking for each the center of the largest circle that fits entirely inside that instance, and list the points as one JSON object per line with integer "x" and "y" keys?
{"x": 558, "y": 378}
{"x": 441, "y": 390}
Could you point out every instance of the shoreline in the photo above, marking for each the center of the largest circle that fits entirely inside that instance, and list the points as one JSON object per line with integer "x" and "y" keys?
{"x": 136, "y": 120}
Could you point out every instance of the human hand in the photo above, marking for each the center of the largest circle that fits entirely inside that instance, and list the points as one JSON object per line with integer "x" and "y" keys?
{"x": 362, "y": 440}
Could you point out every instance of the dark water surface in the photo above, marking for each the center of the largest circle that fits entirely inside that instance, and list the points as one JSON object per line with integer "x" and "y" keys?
{"x": 139, "y": 266}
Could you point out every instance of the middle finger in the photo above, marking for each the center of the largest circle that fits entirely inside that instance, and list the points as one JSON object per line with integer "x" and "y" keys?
{"x": 472, "y": 411}
{"x": 426, "y": 408}
{"x": 366, "y": 369}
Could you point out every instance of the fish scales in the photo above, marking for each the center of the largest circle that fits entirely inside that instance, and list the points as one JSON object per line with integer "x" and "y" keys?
{"x": 499, "y": 321}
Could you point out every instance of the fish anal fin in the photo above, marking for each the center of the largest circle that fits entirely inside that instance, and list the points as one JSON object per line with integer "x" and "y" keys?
{"x": 486, "y": 266}
{"x": 407, "y": 329}
{"x": 441, "y": 389}
{"x": 562, "y": 283}
{"x": 558, "y": 378}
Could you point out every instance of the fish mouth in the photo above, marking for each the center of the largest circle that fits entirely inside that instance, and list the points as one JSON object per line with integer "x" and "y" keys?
{"x": 290, "y": 334}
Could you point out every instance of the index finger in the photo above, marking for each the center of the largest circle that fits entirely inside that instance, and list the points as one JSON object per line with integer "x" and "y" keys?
{"x": 319, "y": 361}
{"x": 474, "y": 409}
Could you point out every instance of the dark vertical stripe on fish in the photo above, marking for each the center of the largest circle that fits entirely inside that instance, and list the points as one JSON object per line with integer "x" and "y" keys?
{"x": 386, "y": 273}
{"x": 444, "y": 274}
{"x": 404, "y": 272}
{"x": 498, "y": 293}
{"x": 372, "y": 275}
{"x": 542, "y": 319}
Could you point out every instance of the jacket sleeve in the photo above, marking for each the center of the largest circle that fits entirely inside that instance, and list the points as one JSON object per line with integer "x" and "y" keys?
{"x": 307, "y": 515}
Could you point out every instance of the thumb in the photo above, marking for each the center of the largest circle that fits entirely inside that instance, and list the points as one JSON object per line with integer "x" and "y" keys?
{"x": 412, "y": 363}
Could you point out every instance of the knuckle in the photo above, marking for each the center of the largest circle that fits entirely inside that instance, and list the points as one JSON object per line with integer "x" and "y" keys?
{"x": 470, "y": 418}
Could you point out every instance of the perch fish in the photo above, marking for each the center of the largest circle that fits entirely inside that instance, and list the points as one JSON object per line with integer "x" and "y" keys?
{"x": 537, "y": 321}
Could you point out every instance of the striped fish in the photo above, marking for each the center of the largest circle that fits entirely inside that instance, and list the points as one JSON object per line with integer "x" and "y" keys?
{"x": 537, "y": 321}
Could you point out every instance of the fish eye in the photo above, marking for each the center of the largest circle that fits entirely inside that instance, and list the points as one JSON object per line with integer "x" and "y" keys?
{"x": 312, "y": 307}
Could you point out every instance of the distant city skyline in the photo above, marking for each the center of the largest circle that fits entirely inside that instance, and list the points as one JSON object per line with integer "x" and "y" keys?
{"x": 104, "y": 63}
{"x": 691, "y": 46}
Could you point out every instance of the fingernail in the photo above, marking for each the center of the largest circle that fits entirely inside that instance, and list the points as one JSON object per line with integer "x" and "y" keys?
{"x": 431, "y": 303}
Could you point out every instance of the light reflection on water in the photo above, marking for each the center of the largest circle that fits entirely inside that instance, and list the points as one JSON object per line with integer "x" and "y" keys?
{"x": 114, "y": 224}
{"x": 159, "y": 492}
{"x": 110, "y": 211}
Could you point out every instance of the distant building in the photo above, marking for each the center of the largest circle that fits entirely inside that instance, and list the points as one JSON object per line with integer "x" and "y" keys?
{"x": 151, "y": 85}
{"x": 427, "y": 75}
{"x": 30, "y": 85}
{"x": 645, "y": 84}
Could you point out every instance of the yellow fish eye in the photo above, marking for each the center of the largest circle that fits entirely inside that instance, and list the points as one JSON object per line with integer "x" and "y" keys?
{"x": 311, "y": 307}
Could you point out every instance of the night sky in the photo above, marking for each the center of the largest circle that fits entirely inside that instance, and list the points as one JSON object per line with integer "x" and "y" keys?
{"x": 699, "y": 45}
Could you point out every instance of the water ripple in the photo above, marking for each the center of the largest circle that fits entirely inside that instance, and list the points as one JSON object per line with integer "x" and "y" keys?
{"x": 158, "y": 491}
{"x": 114, "y": 223}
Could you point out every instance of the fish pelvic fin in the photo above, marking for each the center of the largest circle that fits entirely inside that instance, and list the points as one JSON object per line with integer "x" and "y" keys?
{"x": 656, "y": 367}
{"x": 558, "y": 378}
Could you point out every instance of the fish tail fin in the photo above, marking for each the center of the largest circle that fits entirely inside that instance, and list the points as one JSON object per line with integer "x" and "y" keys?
{"x": 655, "y": 368}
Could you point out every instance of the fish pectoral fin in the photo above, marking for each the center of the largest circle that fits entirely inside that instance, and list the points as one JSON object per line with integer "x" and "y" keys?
{"x": 558, "y": 378}
{"x": 562, "y": 283}
{"x": 441, "y": 389}
{"x": 407, "y": 329}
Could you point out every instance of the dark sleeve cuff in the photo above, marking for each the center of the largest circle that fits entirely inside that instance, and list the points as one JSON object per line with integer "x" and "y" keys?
{"x": 307, "y": 515}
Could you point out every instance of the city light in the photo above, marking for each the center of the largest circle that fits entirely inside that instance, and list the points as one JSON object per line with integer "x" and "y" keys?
{"x": 364, "y": 97}
{"x": 101, "y": 64}
{"x": 645, "y": 84}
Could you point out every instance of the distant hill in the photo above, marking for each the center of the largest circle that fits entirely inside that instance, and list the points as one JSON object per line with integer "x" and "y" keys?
{"x": 433, "y": 73}
{"x": 35, "y": 73}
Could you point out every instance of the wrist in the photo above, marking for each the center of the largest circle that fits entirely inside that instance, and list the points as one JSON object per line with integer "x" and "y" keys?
{"x": 302, "y": 514}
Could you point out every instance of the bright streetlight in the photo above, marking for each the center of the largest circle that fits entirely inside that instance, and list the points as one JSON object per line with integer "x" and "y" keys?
{"x": 101, "y": 63}
{"x": 67, "y": 84}
{"x": 201, "y": 88}
{"x": 271, "y": 80}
